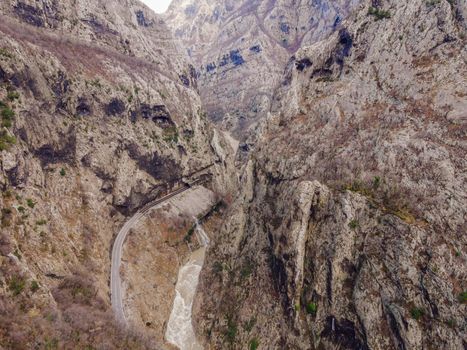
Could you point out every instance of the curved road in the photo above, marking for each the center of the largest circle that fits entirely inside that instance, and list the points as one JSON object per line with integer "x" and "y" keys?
{"x": 115, "y": 281}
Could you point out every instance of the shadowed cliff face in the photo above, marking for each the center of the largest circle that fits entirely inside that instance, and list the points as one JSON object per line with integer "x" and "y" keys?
{"x": 349, "y": 231}
{"x": 99, "y": 115}
{"x": 240, "y": 49}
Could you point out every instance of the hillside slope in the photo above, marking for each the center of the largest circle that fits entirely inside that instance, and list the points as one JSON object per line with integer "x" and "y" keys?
{"x": 100, "y": 115}
{"x": 349, "y": 232}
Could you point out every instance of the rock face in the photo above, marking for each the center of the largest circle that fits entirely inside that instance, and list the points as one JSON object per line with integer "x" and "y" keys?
{"x": 349, "y": 231}
{"x": 240, "y": 48}
{"x": 99, "y": 115}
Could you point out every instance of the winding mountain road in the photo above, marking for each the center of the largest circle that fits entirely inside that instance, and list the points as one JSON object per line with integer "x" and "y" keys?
{"x": 115, "y": 281}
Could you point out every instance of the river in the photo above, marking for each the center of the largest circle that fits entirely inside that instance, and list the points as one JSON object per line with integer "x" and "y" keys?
{"x": 180, "y": 330}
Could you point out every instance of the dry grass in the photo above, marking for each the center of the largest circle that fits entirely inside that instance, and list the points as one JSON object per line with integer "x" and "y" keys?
{"x": 70, "y": 315}
{"x": 82, "y": 321}
{"x": 388, "y": 196}
{"x": 424, "y": 61}
{"x": 77, "y": 55}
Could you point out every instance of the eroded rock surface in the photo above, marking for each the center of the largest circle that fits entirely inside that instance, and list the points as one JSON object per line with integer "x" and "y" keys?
{"x": 95, "y": 123}
{"x": 240, "y": 48}
{"x": 349, "y": 231}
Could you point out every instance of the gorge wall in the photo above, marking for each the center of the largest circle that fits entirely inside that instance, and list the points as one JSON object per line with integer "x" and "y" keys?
{"x": 349, "y": 232}
{"x": 100, "y": 115}
{"x": 345, "y": 228}
{"x": 240, "y": 48}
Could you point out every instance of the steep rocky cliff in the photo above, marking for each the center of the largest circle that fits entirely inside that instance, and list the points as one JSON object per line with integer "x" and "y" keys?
{"x": 349, "y": 232}
{"x": 348, "y": 227}
{"x": 99, "y": 116}
{"x": 240, "y": 48}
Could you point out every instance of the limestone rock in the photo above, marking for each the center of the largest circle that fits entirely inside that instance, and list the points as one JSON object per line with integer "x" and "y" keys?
{"x": 100, "y": 115}
{"x": 353, "y": 234}
{"x": 239, "y": 49}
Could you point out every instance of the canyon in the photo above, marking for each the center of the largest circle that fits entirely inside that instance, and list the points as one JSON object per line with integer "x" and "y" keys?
{"x": 255, "y": 174}
{"x": 240, "y": 48}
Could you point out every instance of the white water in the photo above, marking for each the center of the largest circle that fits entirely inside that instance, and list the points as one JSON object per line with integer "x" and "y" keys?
{"x": 180, "y": 329}
{"x": 202, "y": 236}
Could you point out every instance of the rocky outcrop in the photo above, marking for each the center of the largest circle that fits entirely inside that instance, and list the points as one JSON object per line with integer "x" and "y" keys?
{"x": 349, "y": 229}
{"x": 240, "y": 48}
{"x": 95, "y": 123}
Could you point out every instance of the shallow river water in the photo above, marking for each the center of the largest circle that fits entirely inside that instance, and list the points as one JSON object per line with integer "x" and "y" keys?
{"x": 179, "y": 328}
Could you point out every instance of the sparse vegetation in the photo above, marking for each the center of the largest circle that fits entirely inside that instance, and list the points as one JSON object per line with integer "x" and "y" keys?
{"x": 254, "y": 343}
{"x": 326, "y": 79}
{"x": 231, "y": 331}
{"x": 353, "y": 224}
{"x": 5, "y": 53}
{"x": 248, "y": 326}
{"x": 378, "y": 13}
{"x": 462, "y": 297}
{"x": 16, "y": 285}
{"x": 69, "y": 324}
{"x": 95, "y": 83}
{"x": 41, "y": 222}
{"x": 12, "y": 95}
{"x": 62, "y": 172}
{"x": 171, "y": 135}
{"x": 17, "y": 254}
{"x": 31, "y": 204}
{"x": 311, "y": 308}
{"x": 34, "y": 286}
{"x": 82, "y": 292}
{"x": 417, "y": 313}
{"x": 190, "y": 233}
{"x": 6, "y": 141}
{"x": 51, "y": 344}
{"x": 6, "y": 211}
{"x": 388, "y": 197}
{"x": 247, "y": 270}
{"x": 217, "y": 267}
{"x": 7, "y": 115}
{"x": 376, "y": 182}
{"x": 432, "y": 2}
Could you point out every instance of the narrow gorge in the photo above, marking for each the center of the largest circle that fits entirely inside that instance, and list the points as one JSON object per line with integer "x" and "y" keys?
{"x": 251, "y": 174}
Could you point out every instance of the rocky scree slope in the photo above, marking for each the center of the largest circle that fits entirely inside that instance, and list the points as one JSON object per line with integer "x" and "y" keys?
{"x": 99, "y": 115}
{"x": 240, "y": 48}
{"x": 349, "y": 232}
